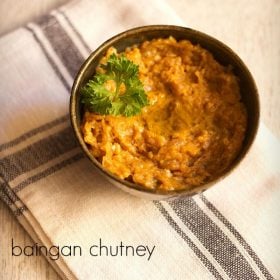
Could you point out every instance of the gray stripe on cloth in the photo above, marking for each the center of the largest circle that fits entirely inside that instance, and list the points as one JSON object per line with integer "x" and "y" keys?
{"x": 61, "y": 43}
{"x": 188, "y": 240}
{"x": 8, "y": 194}
{"x": 4, "y": 197}
{"x": 213, "y": 239}
{"x": 4, "y": 194}
{"x": 33, "y": 132}
{"x": 75, "y": 31}
{"x": 48, "y": 171}
{"x": 50, "y": 60}
{"x": 20, "y": 211}
{"x": 37, "y": 154}
{"x": 238, "y": 236}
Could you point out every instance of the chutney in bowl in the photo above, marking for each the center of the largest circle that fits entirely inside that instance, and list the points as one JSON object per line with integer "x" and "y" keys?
{"x": 200, "y": 122}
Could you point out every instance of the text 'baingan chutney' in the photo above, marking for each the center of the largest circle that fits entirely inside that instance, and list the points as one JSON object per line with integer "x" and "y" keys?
{"x": 164, "y": 114}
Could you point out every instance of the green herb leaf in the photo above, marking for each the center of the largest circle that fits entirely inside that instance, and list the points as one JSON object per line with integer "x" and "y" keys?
{"x": 129, "y": 96}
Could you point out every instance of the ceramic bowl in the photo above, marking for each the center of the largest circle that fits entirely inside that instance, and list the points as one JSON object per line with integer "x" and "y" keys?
{"x": 222, "y": 54}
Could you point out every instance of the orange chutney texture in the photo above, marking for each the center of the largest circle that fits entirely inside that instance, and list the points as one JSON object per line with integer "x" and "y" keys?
{"x": 191, "y": 131}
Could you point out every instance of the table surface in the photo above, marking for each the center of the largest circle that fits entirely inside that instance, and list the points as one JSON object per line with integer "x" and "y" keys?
{"x": 249, "y": 27}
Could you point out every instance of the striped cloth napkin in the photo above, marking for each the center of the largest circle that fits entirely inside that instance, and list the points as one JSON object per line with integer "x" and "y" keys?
{"x": 229, "y": 232}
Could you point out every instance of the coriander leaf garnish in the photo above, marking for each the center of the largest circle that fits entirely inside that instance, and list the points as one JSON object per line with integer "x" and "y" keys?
{"x": 117, "y": 91}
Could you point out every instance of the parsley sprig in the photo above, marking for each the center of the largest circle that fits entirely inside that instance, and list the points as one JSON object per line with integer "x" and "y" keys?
{"x": 129, "y": 96}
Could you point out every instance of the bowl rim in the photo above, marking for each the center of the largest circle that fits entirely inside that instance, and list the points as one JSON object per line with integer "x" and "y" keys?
{"x": 165, "y": 194}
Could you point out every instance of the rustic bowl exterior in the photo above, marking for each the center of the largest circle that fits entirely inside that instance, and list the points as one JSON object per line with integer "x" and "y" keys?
{"x": 222, "y": 54}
